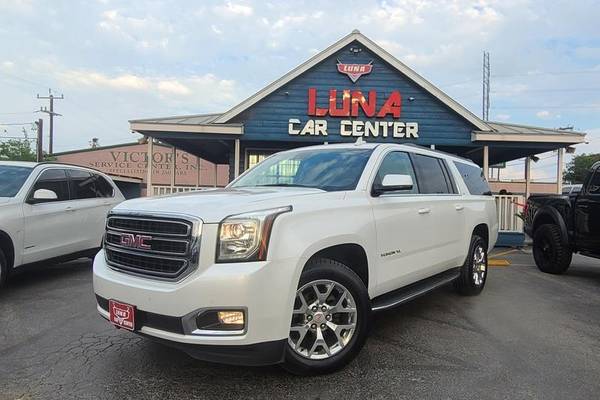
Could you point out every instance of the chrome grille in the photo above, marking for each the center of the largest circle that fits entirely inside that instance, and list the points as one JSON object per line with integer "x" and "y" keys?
{"x": 160, "y": 247}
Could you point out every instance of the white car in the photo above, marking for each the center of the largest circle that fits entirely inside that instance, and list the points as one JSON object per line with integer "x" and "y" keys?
{"x": 290, "y": 260}
{"x": 51, "y": 212}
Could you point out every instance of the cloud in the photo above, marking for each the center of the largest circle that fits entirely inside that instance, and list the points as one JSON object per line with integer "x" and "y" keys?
{"x": 146, "y": 33}
{"x": 502, "y": 117}
{"x": 234, "y": 9}
{"x": 173, "y": 87}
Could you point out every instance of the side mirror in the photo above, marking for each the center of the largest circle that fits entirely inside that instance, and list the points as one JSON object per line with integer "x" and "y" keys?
{"x": 42, "y": 195}
{"x": 393, "y": 182}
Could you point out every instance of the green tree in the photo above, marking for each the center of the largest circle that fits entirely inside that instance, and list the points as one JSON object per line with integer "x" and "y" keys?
{"x": 17, "y": 150}
{"x": 578, "y": 167}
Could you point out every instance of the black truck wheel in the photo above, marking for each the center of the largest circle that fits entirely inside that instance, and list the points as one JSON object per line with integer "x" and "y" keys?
{"x": 549, "y": 251}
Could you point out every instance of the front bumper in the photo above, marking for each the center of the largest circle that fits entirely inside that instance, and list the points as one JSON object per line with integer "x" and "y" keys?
{"x": 266, "y": 290}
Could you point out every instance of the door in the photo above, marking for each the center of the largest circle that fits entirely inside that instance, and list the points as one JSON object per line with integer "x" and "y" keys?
{"x": 587, "y": 215}
{"x": 92, "y": 197}
{"x": 403, "y": 227}
{"x": 440, "y": 197}
{"x": 48, "y": 224}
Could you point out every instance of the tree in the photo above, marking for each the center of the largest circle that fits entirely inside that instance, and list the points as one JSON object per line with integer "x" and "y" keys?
{"x": 578, "y": 167}
{"x": 17, "y": 150}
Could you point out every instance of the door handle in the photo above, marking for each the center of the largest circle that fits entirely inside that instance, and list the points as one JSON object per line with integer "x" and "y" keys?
{"x": 459, "y": 207}
{"x": 424, "y": 210}
{"x": 69, "y": 209}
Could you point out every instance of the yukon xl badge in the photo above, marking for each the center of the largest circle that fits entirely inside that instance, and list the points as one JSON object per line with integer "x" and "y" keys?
{"x": 354, "y": 71}
{"x": 135, "y": 241}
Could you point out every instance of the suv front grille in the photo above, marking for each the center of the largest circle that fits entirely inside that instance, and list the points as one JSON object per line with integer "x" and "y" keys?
{"x": 160, "y": 247}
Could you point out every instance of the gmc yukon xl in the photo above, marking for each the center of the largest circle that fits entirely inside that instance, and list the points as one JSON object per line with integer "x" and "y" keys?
{"x": 289, "y": 261}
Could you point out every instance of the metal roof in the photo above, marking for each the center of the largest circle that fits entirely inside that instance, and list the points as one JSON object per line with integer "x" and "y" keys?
{"x": 503, "y": 127}
{"x": 195, "y": 119}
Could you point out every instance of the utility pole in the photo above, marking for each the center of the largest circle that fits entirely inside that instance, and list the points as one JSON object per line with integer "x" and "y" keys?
{"x": 40, "y": 135}
{"x": 485, "y": 114}
{"x": 51, "y": 113}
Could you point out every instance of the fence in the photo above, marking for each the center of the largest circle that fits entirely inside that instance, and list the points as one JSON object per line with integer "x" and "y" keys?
{"x": 508, "y": 207}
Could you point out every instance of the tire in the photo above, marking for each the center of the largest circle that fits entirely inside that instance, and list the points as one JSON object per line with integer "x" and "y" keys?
{"x": 303, "y": 355}
{"x": 3, "y": 268}
{"x": 473, "y": 273}
{"x": 549, "y": 252}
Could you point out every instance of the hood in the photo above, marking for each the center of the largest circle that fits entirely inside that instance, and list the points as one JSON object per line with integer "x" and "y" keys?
{"x": 4, "y": 200}
{"x": 213, "y": 205}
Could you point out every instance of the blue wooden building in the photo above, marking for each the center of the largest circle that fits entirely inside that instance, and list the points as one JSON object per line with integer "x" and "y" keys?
{"x": 353, "y": 88}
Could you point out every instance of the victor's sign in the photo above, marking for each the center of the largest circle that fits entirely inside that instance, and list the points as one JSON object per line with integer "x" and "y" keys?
{"x": 353, "y": 103}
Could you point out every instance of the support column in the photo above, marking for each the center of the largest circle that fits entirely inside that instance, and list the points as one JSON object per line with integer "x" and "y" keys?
{"x": 559, "y": 170}
{"x": 486, "y": 161}
{"x": 527, "y": 176}
{"x": 216, "y": 174}
{"x": 236, "y": 165}
{"x": 173, "y": 166}
{"x": 149, "y": 152}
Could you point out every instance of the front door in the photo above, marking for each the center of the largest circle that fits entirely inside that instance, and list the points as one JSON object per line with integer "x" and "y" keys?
{"x": 404, "y": 226}
{"x": 587, "y": 215}
{"x": 49, "y": 224}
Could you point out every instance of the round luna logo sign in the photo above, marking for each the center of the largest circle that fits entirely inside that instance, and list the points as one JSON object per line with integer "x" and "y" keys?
{"x": 355, "y": 104}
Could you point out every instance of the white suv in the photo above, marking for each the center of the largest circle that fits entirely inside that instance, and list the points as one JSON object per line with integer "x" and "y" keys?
{"x": 288, "y": 263}
{"x": 51, "y": 211}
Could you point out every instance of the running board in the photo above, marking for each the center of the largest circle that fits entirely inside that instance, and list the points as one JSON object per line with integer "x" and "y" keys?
{"x": 414, "y": 290}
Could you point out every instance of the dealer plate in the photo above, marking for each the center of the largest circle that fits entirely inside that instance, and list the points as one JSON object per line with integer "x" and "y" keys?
{"x": 122, "y": 315}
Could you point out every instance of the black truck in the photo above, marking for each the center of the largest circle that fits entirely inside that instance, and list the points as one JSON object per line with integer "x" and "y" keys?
{"x": 561, "y": 225}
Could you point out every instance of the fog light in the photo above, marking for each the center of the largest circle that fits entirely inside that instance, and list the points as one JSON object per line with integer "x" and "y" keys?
{"x": 231, "y": 317}
{"x": 221, "y": 320}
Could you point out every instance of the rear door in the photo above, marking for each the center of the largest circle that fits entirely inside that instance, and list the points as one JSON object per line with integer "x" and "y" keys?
{"x": 445, "y": 208}
{"x": 92, "y": 197}
{"x": 48, "y": 225}
{"x": 587, "y": 215}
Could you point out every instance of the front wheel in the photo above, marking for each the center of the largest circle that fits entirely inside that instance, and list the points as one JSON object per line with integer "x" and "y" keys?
{"x": 330, "y": 319}
{"x": 473, "y": 273}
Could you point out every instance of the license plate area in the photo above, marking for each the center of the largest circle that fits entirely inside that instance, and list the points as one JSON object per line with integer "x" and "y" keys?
{"x": 122, "y": 315}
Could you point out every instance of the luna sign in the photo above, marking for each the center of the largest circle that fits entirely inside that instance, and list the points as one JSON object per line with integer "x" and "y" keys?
{"x": 355, "y": 104}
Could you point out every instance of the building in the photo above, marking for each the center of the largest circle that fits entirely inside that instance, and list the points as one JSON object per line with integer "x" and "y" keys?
{"x": 354, "y": 88}
{"x": 127, "y": 164}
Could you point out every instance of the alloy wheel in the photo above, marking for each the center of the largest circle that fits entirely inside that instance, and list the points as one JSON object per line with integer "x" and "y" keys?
{"x": 323, "y": 320}
{"x": 479, "y": 265}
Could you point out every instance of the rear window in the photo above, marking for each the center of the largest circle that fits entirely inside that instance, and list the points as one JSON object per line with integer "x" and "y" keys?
{"x": 474, "y": 179}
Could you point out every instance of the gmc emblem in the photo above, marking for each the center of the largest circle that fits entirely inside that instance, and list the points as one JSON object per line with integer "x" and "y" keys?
{"x": 135, "y": 241}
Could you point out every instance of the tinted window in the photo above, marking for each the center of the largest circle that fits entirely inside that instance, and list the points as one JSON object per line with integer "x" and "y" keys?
{"x": 431, "y": 175}
{"x": 594, "y": 185}
{"x": 474, "y": 179}
{"x": 55, "y": 180}
{"x": 87, "y": 185}
{"x": 12, "y": 179}
{"x": 326, "y": 169}
{"x": 397, "y": 163}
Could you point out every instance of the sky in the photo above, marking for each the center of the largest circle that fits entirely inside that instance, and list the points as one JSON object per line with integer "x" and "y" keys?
{"x": 119, "y": 60}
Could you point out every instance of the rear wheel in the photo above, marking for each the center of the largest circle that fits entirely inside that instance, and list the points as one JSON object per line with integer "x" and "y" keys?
{"x": 330, "y": 319}
{"x": 473, "y": 273}
{"x": 549, "y": 252}
{"x": 3, "y": 268}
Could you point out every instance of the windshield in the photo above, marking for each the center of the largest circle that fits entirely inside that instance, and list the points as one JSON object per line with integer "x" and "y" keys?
{"x": 12, "y": 178}
{"x": 330, "y": 170}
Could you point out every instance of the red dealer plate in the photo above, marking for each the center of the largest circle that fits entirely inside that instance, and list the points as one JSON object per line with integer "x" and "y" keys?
{"x": 122, "y": 315}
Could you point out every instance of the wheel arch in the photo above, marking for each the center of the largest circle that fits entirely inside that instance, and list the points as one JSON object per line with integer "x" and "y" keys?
{"x": 8, "y": 248}
{"x": 550, "y": 215}
{"x": 483, "y": 231}
{"x": 352, "y": 255}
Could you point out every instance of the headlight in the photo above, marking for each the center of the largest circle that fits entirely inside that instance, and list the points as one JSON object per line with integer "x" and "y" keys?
{"x": 245, "y": 237}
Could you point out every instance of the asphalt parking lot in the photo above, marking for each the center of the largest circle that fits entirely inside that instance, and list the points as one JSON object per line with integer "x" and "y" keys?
{"x": 528, "y": 336}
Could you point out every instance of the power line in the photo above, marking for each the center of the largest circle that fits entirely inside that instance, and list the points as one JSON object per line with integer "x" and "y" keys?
{"x": 51, "y": 113}
{"x": 16, "y": 123}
